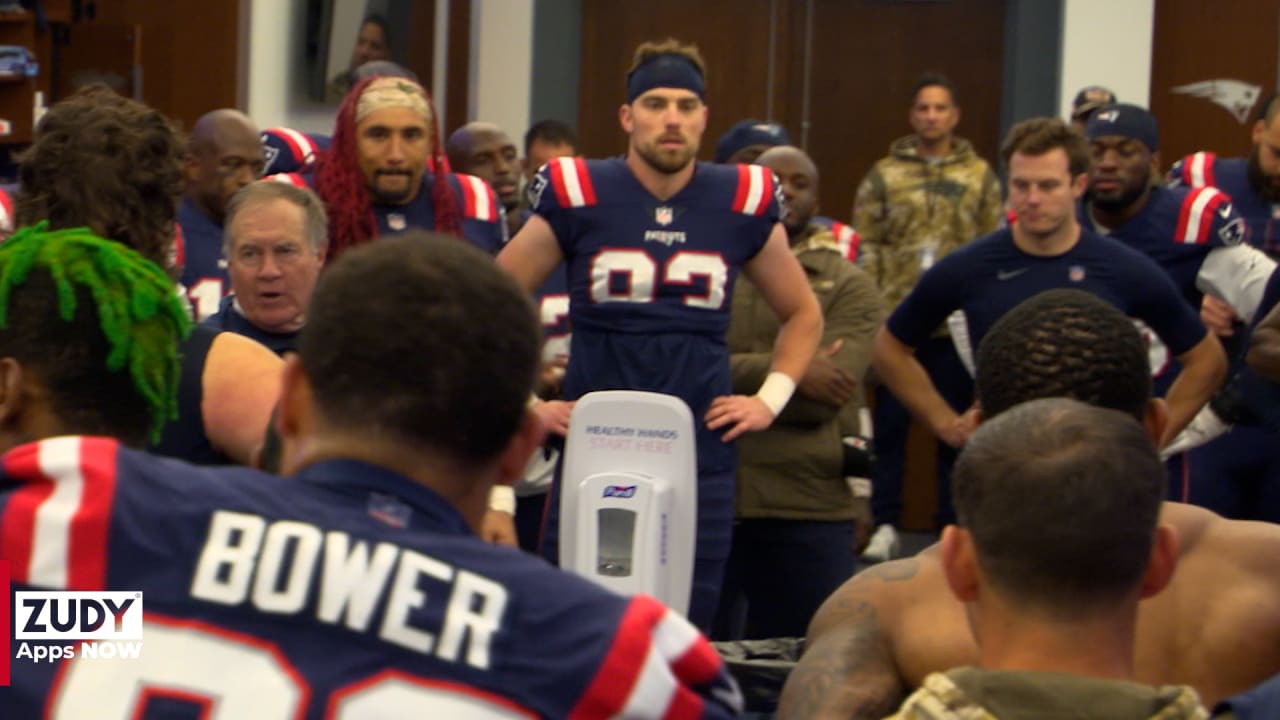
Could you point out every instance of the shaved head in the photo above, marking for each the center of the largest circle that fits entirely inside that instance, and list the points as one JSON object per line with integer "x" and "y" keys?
{"x": 224, "y": 155}
{"x": 486, "y": 151}
{"x": 799, "y": 178}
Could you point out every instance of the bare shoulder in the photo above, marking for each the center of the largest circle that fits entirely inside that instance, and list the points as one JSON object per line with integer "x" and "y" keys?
{"x": 849, "y": 668}
{"x": 241, "y": 384}
{"x": 1224, "y": 601}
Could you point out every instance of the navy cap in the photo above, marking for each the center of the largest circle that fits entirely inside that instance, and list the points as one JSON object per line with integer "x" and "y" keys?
{"x": 1125, "y": 120}
{"x": 748, "y": 133}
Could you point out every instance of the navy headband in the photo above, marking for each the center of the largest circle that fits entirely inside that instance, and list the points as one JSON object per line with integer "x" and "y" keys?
{"x": 671, "y": 71}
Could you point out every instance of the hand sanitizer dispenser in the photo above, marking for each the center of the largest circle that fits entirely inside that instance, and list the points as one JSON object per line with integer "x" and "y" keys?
{"x": 628, "y": 498}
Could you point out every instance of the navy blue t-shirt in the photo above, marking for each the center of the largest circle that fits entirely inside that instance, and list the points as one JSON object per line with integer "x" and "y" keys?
{"x": 990, "y": 276}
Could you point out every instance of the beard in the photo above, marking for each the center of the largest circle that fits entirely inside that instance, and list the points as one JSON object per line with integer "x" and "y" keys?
{"x": 1267, "y": 186}
{"x": 383, "y": 195}
{"x": 668, "y": 163}
{"x": 1127, "y": 197}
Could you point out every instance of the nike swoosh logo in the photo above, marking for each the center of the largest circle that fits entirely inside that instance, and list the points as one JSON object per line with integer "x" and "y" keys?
{"x": 1224, "y": 212}
{"x": 1009, "y": 274}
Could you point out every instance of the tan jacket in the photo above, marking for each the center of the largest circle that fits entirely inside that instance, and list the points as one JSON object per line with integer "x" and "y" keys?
{"x": 973, "y": 694}
{"x": 911, "y": 212}
{"x": 793, "y": 470}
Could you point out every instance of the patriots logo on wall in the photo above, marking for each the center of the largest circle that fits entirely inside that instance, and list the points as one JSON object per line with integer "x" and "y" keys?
{"x": 1235, "y": 96}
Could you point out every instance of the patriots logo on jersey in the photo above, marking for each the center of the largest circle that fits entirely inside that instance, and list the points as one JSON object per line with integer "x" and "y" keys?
{"x": 1233, "y": 233}
{"x": 535, "y": 189}
{"x": 269, "y": 155}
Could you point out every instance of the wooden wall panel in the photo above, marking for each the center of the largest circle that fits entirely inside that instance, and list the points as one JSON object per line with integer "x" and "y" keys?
{"x": 732, "y": 35}
{"x": 867, "y": 54}
{"x": 1202, "y": 40}
{"x": 190, "y": 51}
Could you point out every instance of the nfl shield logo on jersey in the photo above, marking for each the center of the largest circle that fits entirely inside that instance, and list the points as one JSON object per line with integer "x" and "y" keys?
{"x": 396, "y": 221}
{"x": 663, "y": 215}
{"x": 1075, "y": 273}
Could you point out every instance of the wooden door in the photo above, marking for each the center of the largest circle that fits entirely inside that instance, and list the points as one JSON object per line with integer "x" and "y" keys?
{"x": 101, "y": 53}
{"x": 1213, "y": 65}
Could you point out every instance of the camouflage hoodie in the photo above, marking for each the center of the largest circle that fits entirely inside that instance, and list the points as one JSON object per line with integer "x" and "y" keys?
{"x": 973, "y": 694}
{"x": 911, "y": 210}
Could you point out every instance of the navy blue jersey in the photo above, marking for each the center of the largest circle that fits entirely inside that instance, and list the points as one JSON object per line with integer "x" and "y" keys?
{"x": 649, "y": 280}
{"x": 482, "y": 222}
{"x": 1231, "y": 176}
{"x": 1178, "y": 228}
{"x": 345, "y": 591}
{"x": 288, "y": 151}
{"x": 230, "y": 319}
{"x": 990, "y": 276}
{"x": 204, "y": 270}
{"x": 552, "y": 299}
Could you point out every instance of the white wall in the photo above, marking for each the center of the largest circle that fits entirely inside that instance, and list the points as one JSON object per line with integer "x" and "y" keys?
{"x": 275, "y": 95}
{"x": 501, "y": 54}
{"x": 1108, "y": 43}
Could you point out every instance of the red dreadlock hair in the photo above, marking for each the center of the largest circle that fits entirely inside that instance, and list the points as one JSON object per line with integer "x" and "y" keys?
{"x": 341, "y": 185}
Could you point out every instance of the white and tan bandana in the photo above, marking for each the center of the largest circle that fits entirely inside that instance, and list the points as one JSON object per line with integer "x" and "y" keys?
{"x": 389, "y": 92}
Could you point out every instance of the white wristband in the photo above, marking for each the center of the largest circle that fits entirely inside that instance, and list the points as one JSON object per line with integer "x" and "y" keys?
{"x": 776, "y": 391}
{"x": 502, "y": 498}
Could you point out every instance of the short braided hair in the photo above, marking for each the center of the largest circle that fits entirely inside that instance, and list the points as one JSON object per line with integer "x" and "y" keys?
{"x": 119, "y": 378}
{"x": 1064, "y": 343}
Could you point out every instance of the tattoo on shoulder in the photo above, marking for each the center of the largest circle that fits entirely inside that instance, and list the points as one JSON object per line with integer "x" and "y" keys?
{"x": 845, "y": 673}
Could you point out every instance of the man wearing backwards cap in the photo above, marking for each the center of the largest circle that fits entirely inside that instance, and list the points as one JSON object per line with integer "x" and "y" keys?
{"x": 377, "y": 176}
{"x": 1087, "y": 102}
{"x": 1195, "y": 236}
{"x": 654, "y": 242}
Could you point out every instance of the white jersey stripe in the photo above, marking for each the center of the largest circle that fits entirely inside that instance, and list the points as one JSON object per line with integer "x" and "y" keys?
{"x": 755, "y": 191}
{"x": 674, "y": 636}
{"x": 569, "y": 169}
{"x": 1198, "y": 161}
{"x": 654, "y": 689}
{"x": 1194, "y": 216}
{"x": 303, "y": 142}
{"x": 59, "y": 461}
{"x": 484, "y": 208}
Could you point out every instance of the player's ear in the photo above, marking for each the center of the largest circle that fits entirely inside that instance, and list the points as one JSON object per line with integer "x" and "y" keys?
{"x": 528, "y": 437}
{"x": 1259, "y": 128}
{"x": 624, "y": 117}
{"x": 1164, "y": 558}
{"x": 1155, "y": 163}
{"x": 1155, "y": 419}
{"x": 292, "y": 415}
{"x": 960, "y": 563}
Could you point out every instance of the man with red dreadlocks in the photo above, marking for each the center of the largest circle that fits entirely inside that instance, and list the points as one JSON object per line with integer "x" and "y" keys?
{"x": 378, "y": 176}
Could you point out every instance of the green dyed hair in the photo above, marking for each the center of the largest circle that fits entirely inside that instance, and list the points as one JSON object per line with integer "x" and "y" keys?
{"x": 141, "y": 317}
